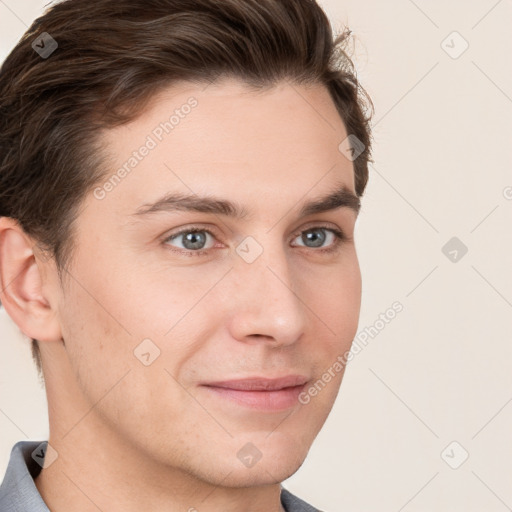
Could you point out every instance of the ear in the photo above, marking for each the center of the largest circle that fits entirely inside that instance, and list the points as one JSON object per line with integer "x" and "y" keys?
{"x": 21, "y": 285}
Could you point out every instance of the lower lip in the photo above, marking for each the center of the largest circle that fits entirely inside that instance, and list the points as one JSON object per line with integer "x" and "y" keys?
{"x": 277, "y": 400}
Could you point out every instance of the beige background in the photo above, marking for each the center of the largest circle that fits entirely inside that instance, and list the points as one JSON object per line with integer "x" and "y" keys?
{"x": 440, "y": 371}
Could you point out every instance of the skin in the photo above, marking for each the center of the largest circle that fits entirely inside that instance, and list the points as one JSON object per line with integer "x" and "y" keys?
{"x": 134, "y": 437}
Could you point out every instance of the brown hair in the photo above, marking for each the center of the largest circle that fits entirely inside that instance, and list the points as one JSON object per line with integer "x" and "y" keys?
{"x": 112, "y": 57}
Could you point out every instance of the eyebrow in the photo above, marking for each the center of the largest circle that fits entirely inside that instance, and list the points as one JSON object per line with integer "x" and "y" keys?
{"x": 340, "y": 198}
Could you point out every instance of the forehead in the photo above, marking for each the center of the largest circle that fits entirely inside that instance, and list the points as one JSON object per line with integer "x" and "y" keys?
{"x": 229, "y": 140}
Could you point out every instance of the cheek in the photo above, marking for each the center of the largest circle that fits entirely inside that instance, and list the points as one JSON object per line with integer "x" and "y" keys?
{"x": 109, "y": 368}
{"x": 94, "y": 340}
{"x": 337, "y": 307}
{"x": 336, "y": 300}
{"x": 119, "y": 320}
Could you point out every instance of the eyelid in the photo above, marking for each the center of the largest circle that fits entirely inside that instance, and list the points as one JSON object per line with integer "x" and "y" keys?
{"x": 317, "y": 225}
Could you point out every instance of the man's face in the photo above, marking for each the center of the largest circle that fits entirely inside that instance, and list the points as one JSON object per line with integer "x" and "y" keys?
{"x": 268, "y": 294}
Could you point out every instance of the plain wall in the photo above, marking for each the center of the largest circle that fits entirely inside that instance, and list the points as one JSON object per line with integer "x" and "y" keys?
{"x": 440, "y": 371}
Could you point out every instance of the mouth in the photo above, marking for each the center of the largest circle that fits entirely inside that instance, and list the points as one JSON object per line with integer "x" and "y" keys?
{"x": 265, "y": 394}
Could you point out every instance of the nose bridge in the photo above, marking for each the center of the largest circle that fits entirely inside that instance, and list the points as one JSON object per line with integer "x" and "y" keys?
{"x": 266, "y": 303}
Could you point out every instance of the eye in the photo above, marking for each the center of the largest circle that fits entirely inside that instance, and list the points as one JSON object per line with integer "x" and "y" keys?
{"x": 192, "y": 240}
{"x": 322, "y": 237}
{"x": 197, "y": 241}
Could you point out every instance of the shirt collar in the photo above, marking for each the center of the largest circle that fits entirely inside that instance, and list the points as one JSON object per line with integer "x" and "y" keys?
{"x": 18, "y": 491}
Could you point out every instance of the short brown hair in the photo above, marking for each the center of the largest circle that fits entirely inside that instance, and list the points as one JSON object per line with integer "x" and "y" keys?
{"x": 112, "y": 57}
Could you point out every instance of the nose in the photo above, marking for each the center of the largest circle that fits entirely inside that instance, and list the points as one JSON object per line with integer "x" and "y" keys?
{"x": 265, "y": 307}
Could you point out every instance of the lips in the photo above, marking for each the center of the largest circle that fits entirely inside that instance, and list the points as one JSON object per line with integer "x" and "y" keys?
{"x": 271, "y": 394}
{"x": 261, "y": 383}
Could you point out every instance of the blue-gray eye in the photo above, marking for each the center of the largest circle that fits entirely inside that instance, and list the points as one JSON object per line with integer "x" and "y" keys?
{"x": 191, "y": 240}
{"x": 316, "y": 237}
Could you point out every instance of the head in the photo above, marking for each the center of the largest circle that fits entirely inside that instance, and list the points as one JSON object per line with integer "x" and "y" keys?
{"x": 227, "y": 122}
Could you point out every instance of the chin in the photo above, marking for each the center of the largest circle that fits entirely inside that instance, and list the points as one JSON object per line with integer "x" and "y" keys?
{"x": 263, "y": 473}
{"x": 260, "y": 459}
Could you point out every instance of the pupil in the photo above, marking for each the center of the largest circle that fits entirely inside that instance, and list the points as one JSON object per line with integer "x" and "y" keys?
{"x": 194, "y": 240}
{"x": 316, "y": 237}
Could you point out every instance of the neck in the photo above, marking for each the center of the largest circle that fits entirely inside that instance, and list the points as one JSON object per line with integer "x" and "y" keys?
{"x": 98, "y": 472}
{"x": 97, "y": 468}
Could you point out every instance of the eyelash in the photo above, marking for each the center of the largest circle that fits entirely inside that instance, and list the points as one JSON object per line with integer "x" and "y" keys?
{"x": 339, "y": 238}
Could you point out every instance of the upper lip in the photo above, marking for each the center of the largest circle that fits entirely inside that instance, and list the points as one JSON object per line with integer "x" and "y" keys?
{"x": 260, "y": 383}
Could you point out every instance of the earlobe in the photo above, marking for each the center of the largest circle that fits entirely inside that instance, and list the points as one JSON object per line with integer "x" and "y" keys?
{"x": 21, "y": 285}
